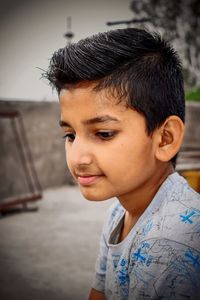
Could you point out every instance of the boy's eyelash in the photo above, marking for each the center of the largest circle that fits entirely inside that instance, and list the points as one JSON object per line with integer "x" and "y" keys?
{"x": 103, "y": 135}
{"x": 106, "y": 135}
{"x": 69, "y": 136}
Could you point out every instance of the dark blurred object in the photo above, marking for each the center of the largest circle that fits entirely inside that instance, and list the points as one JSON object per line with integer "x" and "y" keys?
{"x": 129, "y": 22}
{"x": 69, "y": 34}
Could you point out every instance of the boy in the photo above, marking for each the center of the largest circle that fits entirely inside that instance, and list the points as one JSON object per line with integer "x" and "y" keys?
{"x": 122, "y": 111}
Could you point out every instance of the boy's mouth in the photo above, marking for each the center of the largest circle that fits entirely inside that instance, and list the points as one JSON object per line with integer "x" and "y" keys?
{"x": 87, "y": 179}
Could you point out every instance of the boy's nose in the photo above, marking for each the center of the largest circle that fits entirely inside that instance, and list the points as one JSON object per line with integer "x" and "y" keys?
{"x": 79, "y": 154}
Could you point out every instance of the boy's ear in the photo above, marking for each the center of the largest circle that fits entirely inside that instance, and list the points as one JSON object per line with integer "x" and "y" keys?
{"x": 169, "y": 138}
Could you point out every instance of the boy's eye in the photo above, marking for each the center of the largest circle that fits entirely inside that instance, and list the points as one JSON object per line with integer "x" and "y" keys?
{"x": 105, "y": 135}
{"x": 70, "y": 137}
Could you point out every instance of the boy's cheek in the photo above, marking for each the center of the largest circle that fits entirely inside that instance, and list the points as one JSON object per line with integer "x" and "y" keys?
{"x": 68, "y": 160}
{"x": 68, "y": 163}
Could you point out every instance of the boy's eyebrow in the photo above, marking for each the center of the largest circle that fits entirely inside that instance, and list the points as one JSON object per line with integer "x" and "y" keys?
{"x": 100, "y": 119}
{"x": 63, "y": 124}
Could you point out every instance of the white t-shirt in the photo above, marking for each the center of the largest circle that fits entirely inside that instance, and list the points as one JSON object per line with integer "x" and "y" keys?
{"x": 160, "y": 257}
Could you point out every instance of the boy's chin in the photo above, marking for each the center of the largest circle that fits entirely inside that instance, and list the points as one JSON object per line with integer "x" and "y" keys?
{"x": 94, "y": 197}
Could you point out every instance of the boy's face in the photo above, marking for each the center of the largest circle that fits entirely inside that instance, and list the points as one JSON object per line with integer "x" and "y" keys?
{"x": 107, "y": 149}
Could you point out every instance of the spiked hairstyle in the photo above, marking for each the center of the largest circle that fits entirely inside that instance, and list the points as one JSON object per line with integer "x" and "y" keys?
{"x": 137, "y": 66}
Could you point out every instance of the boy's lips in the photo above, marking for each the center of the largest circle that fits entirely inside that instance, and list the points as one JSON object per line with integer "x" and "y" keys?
{"x": 87, "y": 179}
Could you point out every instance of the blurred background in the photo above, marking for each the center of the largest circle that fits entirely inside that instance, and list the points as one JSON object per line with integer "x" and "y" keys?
{"x": 48, "y": 247}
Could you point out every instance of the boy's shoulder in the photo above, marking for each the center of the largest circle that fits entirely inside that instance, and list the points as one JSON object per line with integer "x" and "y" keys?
{"x": 181, "y": 204}
{"x": 173, "y": 214}
{"x": 177, "y": 217}
{"x": 175, "y": 196}
{"x": 180, "y": 213}
{"x": 167, "y": 245}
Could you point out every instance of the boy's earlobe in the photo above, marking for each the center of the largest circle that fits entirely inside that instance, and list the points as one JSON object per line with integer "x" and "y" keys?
{"x": 170, "y": 137}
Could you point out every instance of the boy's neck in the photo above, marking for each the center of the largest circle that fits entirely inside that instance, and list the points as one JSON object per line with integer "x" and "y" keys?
{"x": 139, "y": 201}
{"x": 135, "y": 203}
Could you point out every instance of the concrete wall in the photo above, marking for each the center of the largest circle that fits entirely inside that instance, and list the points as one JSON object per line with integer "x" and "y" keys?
{"x": 190, "y": 150}
{"x": 47, "y": 146}
{"x": 192, "y": 134}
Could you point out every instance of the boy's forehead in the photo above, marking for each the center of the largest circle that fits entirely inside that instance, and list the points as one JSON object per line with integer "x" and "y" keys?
{"x": 84, "y": 94}
{"x": 82, "y": 104}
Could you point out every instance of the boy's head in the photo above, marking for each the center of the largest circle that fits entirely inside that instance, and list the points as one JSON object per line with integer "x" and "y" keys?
{"x": 137, "y": 69}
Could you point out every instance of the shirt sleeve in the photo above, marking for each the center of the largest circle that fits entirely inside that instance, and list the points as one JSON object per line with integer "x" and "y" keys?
{"x": 100, "y": 267}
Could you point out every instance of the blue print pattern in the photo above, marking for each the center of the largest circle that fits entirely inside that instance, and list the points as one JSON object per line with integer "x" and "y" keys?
{"x": 147, "y": 228}
{"x": 160, "y": 257}
{"x": 193, "y": 259}
{"x": 173, "y": 261}
{"x": 123, "y": 277}
{"x": 115, "y": 258}
{"x": 189, "y": 215}
{"x": 141, "y": 254}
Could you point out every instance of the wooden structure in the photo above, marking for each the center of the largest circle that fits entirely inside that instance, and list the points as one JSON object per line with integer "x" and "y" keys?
{"x": 34, "y": 189}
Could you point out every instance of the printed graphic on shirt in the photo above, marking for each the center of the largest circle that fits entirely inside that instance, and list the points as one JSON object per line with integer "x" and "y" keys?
{"x": 158, "y": 262}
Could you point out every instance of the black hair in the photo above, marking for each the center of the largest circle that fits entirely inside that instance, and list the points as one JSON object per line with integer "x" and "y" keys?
{"x": 136, "y": 65}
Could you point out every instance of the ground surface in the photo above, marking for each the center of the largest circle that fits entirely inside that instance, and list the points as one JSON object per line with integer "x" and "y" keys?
{"x": 50, "y": 254}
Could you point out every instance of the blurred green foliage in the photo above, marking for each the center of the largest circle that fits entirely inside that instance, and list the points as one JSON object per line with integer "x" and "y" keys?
{"x": 193, "y": 94}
